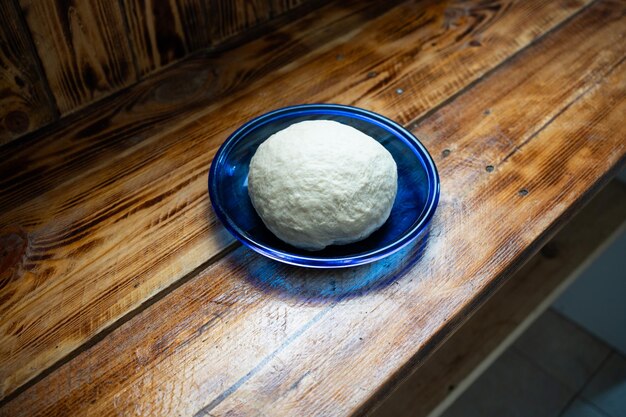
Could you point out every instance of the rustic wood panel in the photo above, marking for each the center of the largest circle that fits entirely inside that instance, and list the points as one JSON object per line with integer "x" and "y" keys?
{"x": 100, "y": 133}
{"x": 163, "y": 31}
{"x": 124, "y": 203}
{"x": 278, "y": 7}
{"x": 526, "y": 293}
{"x": 24, "y": 103}
{"x": 78, "y": 148}
{"x": 86, "y": 55}
{"x": 229, "y": 18}
{"x": 296, "y": 334}
{"x": 83, "y": 48}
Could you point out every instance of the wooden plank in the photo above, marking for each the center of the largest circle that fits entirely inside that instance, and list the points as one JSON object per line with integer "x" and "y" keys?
{"x": 279, "y": 7}
{"x": 83, "y": 48}
{"x": 161, "y": 105}
{"x": 230, "y": 18}
{"x": 510, "y": 310}
{"x": 88, "y": 238}
{"x": 353, "y": 351}
{"x": 163, "y": 31}
{"x": 297, "y": 334}
{"x": 99, "y": 134}
{"x": 24, "y": 104}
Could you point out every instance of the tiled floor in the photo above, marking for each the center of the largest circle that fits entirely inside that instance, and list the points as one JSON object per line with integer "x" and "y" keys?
{"x": 596, "y": 299}
{"x": 555, "y": 369}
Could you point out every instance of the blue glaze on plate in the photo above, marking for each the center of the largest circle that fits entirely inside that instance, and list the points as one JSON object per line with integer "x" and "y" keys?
{"x": 415, "y": 204}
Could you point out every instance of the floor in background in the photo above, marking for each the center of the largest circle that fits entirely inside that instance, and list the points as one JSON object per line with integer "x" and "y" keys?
{"x": 556, "y": 368}
{"x": 596, "y": 299}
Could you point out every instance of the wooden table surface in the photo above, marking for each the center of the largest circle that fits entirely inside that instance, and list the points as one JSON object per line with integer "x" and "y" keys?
{"x": 121, "y": 294}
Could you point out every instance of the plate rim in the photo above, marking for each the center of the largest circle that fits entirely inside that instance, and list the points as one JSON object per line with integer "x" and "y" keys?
{"x": 317, "y": 261}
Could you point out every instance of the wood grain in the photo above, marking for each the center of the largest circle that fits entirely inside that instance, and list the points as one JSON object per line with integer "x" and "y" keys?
{"x": 541, "y": 279}
{"x": 119, "y": 197}
{"x": 24, "y": 103}
{"x": 297, "y": 334}
{"x": 229, "y": 18}
{"x": 83, "y": 48}
{"x": 119, "y": 124}
{"x": 351, "y": 352}
{"x": 163, "y": 31}
{"x": 171, "y": 222}
{"x": 86, "y": 54}
{"x": 279, "y": 7}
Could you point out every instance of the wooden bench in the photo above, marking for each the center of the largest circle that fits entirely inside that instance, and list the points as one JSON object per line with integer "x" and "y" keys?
{"x": 122, "y": 294}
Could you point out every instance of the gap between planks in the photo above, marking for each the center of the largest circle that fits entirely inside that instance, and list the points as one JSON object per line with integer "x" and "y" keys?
{"x": 120, "y": 321}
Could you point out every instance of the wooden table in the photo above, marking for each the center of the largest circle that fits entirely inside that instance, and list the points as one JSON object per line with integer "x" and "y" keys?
{"x": 121, "y": 294}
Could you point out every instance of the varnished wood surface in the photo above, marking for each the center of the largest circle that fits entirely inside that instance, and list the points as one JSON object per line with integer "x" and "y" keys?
{"x": 527, "y": 292}
{"x": 107, "y": 189}
{"x": 24, "y": 102}
{"x": 331, "y": 360}
{"x": 89, "y": 140}
{"x": 89, "y": 49}
{"x": 83, "y": 48}
{"x": 124, "y": 219}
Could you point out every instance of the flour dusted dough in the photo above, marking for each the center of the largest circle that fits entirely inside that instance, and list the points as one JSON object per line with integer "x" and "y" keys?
{"x": 320, "y": 182}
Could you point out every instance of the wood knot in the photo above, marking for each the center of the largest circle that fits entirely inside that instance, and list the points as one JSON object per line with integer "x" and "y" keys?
{"x": 13, "y": 245}
{"x": 17, "y": 121}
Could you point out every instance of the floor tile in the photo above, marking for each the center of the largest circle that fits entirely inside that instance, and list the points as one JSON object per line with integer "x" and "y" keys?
{"x": 581, "y": 408}
{"x": 512, "y": 386}
{"x": 562, "y": 349}
{"x": 607, "y": 389}
{"x": 596, "y": 299}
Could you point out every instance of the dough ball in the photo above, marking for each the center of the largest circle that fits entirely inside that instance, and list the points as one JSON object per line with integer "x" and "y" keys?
{"x": 319, "y": 183}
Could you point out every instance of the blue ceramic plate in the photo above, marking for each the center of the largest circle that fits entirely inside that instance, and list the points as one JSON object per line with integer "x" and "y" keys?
{"x": 418, "y": 187}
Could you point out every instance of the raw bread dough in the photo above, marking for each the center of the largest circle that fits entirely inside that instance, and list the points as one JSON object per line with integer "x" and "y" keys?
{"x": 319, "y": 182}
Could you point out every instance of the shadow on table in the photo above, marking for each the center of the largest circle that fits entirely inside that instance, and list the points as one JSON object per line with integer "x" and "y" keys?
{"x": 333, "y": 284}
